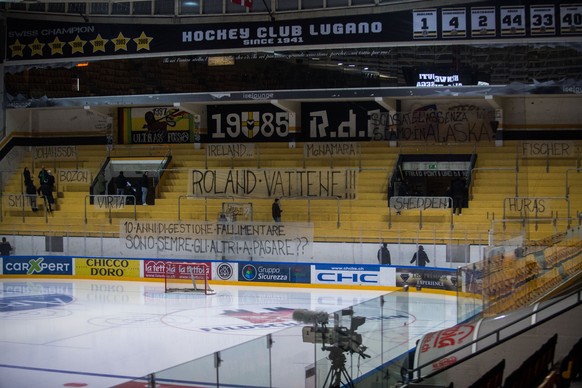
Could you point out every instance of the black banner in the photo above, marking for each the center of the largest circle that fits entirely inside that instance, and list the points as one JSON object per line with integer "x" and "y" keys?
{"x": 41, "y": 39}
{"x": 342, "y": 121}
{"x": 426, "y": 278}
{"x": 247, "y": 123}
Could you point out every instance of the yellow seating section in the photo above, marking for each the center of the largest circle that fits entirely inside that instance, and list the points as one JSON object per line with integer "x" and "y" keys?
{"x": 364, "y": 219}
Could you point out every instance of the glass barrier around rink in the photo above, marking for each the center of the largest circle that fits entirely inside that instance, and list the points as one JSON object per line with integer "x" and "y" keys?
{"x": 366, "y": 344}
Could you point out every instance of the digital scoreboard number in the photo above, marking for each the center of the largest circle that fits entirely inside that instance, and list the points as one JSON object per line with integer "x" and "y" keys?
{"x": 542, "y": 20}
{"x": 483, "y": 22}
{"x": 424, "y": 24}
{"x": 454, "y": 23}
{"x": 570, "y": 19}
{"x": 512, "y": 21}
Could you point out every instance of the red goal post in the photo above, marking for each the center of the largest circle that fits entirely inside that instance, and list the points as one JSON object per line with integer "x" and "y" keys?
{"x": 187, "y": 277}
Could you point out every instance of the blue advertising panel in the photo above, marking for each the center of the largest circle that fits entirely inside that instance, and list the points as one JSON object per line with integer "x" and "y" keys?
{"x": 23, "y": 265}
{"x": 277, "y": 273}
{"x": 348, "y": 274}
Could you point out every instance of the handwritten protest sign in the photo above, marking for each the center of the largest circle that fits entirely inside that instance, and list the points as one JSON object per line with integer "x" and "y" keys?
{"x": 271, "y": 182}
{"x": 204, "y": 240}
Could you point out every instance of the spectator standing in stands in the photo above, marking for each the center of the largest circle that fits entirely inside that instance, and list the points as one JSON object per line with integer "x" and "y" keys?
{"x": 420, "y": 257}
{"x": 45, "y": 191}
{"x": 26, "y": 175}
{"x": 50, "y": 180}
{"x": 121, "y": 183}
{"x": 276, "y": 210}
{"x": 31, "y": 194}
{"x": 100, "y": 184}
{"x": 42, "y": 176}
{"x": 384, "y": 255}
{"x": 458, "y": 194}
{"x": 145, "y": 182}
{"x": 5, "y": 247}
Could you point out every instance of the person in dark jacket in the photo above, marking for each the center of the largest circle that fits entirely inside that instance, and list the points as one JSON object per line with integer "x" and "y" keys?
{"x": 121, "y": 183}
{"x": 420, "y": 257}
{"x": 384, "y": 255}
{"x": 5, "y": 247}
{"x": 45, "y": 191}
{"x": 31, "y": 195}
{"x": 276, "y": 210}
{"x": 26, "y": 175}
{"x": 145, "y": 183}
{"x": 458, "y": 193}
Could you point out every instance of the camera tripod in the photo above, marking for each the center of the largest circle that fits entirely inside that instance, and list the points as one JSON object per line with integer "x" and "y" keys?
{"x": 337, "y": 369}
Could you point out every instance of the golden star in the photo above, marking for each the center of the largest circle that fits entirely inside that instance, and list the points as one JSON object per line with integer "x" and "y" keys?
{"x": 120, "y": 42}
{"x": 17, "y": 49}
{"x": 143, "y": 41}
{"x": 77, "y": 45}
{"x": 99, "y": 43}
{"x": 36, "y": 47}
{"x": 56, "y": 46}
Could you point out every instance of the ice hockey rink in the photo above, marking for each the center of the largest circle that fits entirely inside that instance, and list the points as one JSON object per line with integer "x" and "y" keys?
{"x": 82, "y": 333}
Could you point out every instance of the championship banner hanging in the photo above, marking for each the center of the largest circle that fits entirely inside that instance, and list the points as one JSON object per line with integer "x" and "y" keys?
{"x": 39, "y": 40}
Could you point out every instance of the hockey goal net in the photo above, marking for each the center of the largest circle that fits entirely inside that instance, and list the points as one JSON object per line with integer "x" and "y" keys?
{"x": 187, "y": 277}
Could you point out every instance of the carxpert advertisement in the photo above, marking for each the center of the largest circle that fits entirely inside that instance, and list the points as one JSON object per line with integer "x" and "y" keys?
{"x": 49, "y": 266}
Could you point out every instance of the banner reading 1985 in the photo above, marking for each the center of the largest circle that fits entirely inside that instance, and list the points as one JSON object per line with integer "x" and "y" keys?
{"x": 247, "y": 123}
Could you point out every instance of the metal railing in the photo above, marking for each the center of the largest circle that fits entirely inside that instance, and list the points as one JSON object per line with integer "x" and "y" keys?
{"x": 206, "y": 197}
{"x": 110, "y": 200}
{"x": 450, "y": 208}
{"x": 510, "y": 169}
{"x": 536, "y": 208}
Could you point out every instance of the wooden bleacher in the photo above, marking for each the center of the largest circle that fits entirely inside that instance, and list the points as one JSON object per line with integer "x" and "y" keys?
{"x": 364, "y": 219}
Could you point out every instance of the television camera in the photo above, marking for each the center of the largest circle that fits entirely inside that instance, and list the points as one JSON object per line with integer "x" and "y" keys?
{"x": 337, "y": 340}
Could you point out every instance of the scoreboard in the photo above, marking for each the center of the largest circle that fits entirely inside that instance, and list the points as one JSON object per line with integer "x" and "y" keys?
{"x": 497, "y": 22}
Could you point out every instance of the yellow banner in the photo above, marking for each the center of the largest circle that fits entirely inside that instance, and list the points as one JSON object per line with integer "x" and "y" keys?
{"x": 116, "y": 268}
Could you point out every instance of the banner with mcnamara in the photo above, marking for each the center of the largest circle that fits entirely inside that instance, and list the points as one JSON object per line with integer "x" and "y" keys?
{"x": 215, "y": 240}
